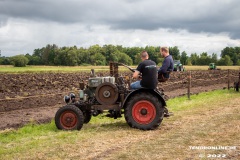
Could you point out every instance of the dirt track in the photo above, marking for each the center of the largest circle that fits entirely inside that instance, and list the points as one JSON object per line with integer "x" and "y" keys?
{"x": 36, "y": 97}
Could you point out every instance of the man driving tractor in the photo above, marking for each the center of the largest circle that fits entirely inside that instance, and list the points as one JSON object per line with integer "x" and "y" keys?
{"x": 150, "y": 75}
{"x": 148, "y": 71}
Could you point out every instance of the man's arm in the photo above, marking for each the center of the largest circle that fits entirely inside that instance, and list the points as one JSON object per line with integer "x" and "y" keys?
{"x": 138, "y": 71}
{"x": 135, "y": 74}
{"x": 165, "y": 65}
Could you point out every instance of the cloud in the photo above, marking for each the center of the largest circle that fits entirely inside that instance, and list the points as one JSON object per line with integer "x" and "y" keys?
{"x": 193, "y": 26}
{"x": 208, "y": 16}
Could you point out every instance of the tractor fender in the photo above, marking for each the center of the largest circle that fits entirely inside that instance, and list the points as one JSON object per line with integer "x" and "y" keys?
{"x": 154, "y": 92}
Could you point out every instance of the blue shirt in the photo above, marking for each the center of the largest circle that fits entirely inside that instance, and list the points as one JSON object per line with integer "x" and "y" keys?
{"x": 167, "y": 66}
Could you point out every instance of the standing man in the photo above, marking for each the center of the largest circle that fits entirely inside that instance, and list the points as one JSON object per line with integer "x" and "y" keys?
{"x": 148, "y": 70}
{"x": 167, "y": 66}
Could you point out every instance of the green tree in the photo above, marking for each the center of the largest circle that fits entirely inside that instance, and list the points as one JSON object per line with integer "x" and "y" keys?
{"x": 160, "y": 61}
{"x": 174, "y": 51}
{"x": 33, "y": 60}
{"x": 38, "y": 53}
{"x": 60, "y": 57}
{"x": 194, "y": 58}
{"x": 137, "y": 58}
{"x": 120, "y": 48}
{"x": 184, "y": 58}
{"x": 98, "y": 59}
{"x": 238, "y": 63}
{"x": 124, "y": 58}
{"x": 232, "y": 53}
{"x": 214, "y": 58}
{"x": 84, "y": 56}
{"x": 153, "y": 54}
{"x": 237, "y": 51}
{"x": 19, "y": 61}
{"x": 72, "y": 57}
{"x": 92, "y": 51}
{"x": 48, "y": 54}
{"x": 189, "y": 62}
{"x": 204, "y": 59}
{"x": 114, "y": 57}
{"x": 4, "y": 60}
{"x": 134, "y": 53}
{"x": 107, "y": 50}
{"x": 225, "y": 61}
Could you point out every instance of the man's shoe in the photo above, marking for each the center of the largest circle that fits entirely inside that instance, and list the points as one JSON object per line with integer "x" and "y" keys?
{"x": 168, "y": 114}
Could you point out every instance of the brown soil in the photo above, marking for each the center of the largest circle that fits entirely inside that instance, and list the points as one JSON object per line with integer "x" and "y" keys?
{"x": 35, "y": 97}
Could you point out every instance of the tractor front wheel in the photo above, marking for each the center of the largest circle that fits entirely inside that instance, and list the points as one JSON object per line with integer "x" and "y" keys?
{"x": 69, "y": 117}
{"x": 144, "y": 111}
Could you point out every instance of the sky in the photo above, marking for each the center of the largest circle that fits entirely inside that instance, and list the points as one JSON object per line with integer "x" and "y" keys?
{"x": 193, "y": 26}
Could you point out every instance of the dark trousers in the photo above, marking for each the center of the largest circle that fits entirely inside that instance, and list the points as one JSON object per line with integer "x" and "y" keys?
{"x": 161, "y": 78}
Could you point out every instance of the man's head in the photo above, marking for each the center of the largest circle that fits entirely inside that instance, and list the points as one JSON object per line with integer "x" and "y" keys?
{"x": 164, "y": 51}
{"x": 144, "y": 55}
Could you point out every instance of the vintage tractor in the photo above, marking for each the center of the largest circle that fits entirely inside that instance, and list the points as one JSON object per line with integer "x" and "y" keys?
{"x": 178, "y": 66}
{"x": 142, "y": 108}
{"x": 212, "y": 66}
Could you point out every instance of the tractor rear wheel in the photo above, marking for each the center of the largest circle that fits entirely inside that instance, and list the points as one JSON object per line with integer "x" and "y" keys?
{"x": 181, "y": 68}
{"x": 178, "y": 68}
{"x": 144, "y": 111}
{"x": 69, "y": 117}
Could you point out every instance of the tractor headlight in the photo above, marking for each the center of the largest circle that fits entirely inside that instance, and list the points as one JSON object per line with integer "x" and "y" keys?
{"x": 72, "y": 96}
{"x": 66, "y": 99}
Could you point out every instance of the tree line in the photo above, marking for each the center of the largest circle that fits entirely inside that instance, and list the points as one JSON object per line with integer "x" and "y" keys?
{"x": 101, "y": 55}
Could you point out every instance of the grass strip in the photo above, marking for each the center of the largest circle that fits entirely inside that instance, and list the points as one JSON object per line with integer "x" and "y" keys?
{"x": 208, "y": 119}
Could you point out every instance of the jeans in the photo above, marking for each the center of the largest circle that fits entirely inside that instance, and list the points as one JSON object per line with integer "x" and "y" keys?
{"x": 135, "y": 85}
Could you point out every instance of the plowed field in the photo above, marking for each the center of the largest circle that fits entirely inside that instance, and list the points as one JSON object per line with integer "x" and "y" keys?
{"x": 36, "y": 96}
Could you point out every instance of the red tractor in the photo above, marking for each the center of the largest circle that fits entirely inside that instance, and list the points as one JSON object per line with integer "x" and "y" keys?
{"x": 142, "y": 108}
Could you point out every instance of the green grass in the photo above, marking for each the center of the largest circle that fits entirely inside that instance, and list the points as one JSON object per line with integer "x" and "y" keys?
{"x": 199, "y": 99}
{"x": 42, "y": 69}
{"x": 203, "y": 120}
{"x": 30, "y": 69}
{"x": 11, "y": 69}
{"x": 206, "y": 67}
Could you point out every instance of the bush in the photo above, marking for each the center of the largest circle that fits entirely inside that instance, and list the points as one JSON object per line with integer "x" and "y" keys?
{"x": 85, "y": 64}
{"x": 19, "y": 61}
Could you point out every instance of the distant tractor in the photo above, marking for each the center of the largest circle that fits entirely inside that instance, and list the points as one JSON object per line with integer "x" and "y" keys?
{"x": 142, "y": 108}
{"x": 178, "y": 66}
{"x": 212, "y": 66}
